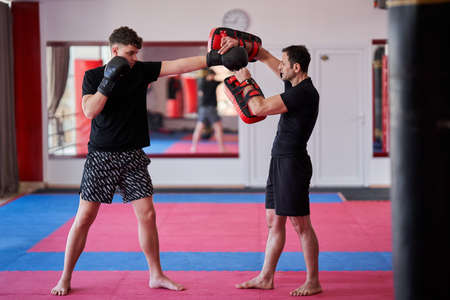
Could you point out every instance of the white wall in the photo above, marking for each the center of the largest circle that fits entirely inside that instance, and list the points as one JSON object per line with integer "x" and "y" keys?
{"x": 328, "y": 24}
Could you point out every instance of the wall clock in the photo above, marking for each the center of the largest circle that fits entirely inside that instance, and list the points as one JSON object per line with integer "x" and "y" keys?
{"x": 236, "y": 19}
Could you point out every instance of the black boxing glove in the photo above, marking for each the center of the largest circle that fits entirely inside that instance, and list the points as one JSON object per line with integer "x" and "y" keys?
{"x": 114, "y": 69}
{"x": 234, "y": 59}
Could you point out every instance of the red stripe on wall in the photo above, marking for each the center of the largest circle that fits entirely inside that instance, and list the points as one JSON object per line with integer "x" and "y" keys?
{"x": 27, "y": 89}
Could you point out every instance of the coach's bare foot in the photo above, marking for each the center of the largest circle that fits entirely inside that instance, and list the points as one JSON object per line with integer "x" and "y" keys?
{"x": 307, "y": 289}
{"x": 256, "y": 283}
{"x": 165, "y": 282}
{"x": 62, "y": 288}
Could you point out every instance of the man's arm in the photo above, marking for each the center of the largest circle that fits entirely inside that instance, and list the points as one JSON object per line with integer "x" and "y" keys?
{"x": 263, "y": 55}
{"x": 93, "y": 104}
{"x": 269, "y": 106}
{"x": 271, "y": 61}
{"x": 182, "y": 65}
{"x": 259, "y": 105}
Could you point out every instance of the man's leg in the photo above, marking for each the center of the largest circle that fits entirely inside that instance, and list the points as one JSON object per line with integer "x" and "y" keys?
{"x": 274, "y": 246}
{"x": 196, "y": 136}
{"x": 218, "y": 132}
{"x": 76, "y": 240}
{"x": 310, "y": 246}
{"x": 148, "y": 239}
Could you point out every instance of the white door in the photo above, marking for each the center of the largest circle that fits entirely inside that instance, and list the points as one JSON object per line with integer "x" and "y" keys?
{"x": 259, "y": 136}
{"x": 338, "y": 136}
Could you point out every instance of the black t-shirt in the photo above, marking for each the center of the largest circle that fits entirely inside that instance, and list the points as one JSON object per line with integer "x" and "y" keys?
{"x": 122, "y": 124}
{"x": 209, "y": 98}
{"x": 296, "y": 125}
{"x": 173, "y": 86}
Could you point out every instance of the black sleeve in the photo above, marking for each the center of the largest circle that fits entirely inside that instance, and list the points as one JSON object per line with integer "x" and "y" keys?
{"x": 287, "y": 85}
{"x": 172, "y": 87}
{"x": 152, "y": 69}
{"x": 89, "y": 86}
{"x": 202, "y": 84}
{"x": 292, "y": 98}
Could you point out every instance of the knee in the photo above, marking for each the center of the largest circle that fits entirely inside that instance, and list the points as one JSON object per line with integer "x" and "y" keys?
{"x": 276, "y": 224}
{"x": 84, "y": 221}
{"x": 301, "y": 227}
{"x": 298, "y": 228}
{"x": 270, "y": 221}
{"x": 148, "y": 216}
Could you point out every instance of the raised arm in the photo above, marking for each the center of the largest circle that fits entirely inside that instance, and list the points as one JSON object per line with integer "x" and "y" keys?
{"x": 182, "y": 65}
{"x": 93, "y": 104}
{"x": 248, "y": 98}
{"x": 267, "y": 106}
{"x": 259, "y": 105}
{"x": 263, "y": 55}
{"x": 271, "y": 61}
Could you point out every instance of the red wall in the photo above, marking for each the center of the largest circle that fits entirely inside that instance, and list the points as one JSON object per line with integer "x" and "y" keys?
{"x": 27, "y": 89}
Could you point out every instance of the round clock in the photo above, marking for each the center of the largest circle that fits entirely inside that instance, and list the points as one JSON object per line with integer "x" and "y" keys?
{"x": 236, "y": 19}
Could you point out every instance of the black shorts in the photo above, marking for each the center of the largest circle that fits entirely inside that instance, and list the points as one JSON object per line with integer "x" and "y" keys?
{"x": 287, "y": 189}
{"x": 208, "y": 114}
{"x": 104, "y": 172}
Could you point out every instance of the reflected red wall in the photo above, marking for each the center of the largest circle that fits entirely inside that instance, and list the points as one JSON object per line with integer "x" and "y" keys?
{"x": 190, "y": 94}
{"x": 82, "y": 124}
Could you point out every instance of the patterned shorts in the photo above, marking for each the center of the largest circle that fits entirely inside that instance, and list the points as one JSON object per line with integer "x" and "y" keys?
{"x": 104, "y": 172}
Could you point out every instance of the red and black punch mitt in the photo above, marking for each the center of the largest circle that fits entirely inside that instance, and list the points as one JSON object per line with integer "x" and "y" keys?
{"x": 235, "y": 92}
{"x": 218, "y": 33}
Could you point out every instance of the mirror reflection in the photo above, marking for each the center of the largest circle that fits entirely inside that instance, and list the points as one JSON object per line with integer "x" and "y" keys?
{"x": 188, "y": 115}
{"x": 380, "y": 99}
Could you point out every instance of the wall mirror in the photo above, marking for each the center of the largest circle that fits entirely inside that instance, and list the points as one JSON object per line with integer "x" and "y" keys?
{"x": 172, "y": 102}
{"x": 380, "y": 103}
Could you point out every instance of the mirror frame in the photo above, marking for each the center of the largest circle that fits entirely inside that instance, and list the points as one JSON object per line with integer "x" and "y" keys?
{"x": 144, "y": 44}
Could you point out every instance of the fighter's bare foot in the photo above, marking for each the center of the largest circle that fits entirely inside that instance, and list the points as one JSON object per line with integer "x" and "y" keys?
{"x": 256, "y": 283}
{"x": 62, "y": 288}
{"x": 307, "y": 289}
{"x": 165, "y": 283}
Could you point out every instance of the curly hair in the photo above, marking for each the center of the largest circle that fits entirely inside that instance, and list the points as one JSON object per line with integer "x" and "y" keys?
{"x": 126, "y": 36}
{"x": 298, "y": 54}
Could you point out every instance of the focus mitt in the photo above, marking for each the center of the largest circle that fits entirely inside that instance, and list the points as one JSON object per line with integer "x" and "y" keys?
{"x": 235, "y": 92}
{"x": 216, "y": 35}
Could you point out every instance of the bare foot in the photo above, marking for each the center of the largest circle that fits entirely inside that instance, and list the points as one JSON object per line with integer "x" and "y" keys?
{"x": 62, "y": 288}
{"x": 223, "y": 149}
{"x": 307, "y": 289}
{"x": 256, "y": 283}
{"x": 166, "y": 283}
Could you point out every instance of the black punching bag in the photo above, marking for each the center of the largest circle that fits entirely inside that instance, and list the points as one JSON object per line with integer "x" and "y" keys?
{"x": 419, "y": 66}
